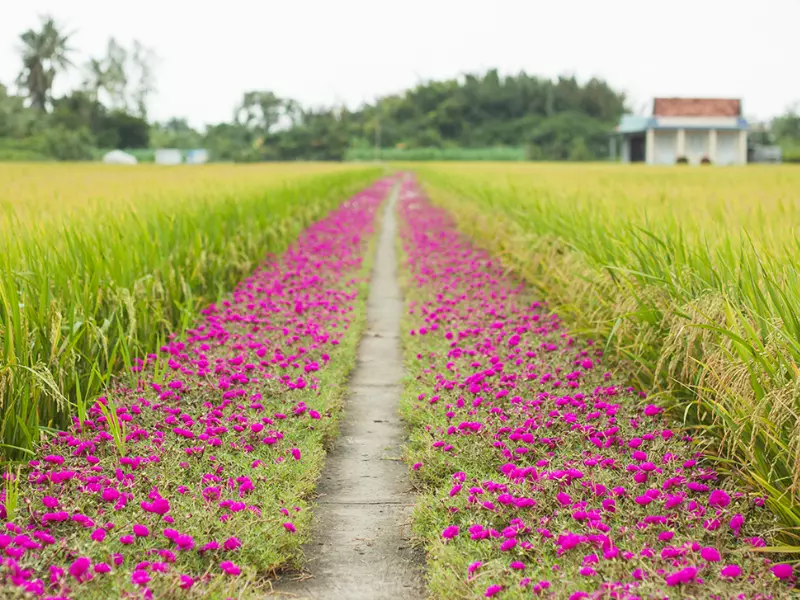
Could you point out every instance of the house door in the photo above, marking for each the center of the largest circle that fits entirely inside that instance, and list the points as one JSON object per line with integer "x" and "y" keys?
{"x": 637, "y": 143}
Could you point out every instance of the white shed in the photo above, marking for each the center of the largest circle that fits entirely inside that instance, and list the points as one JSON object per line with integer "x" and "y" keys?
{"x": 168, "y": 156}
{"x": 693, "y": 130}
{"x": 118, "y": 157}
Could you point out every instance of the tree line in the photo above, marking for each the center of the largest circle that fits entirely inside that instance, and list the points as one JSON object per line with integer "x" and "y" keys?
{"x": 543, "y": 119}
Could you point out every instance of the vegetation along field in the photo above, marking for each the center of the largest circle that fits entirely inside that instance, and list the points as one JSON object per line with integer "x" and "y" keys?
{"x": 542, "y": 471}
{"x": 99, "y": 264}
{"x": 600, "y": 392}
{"x": 689, "y": 276}
{"x": 189, "y": 472}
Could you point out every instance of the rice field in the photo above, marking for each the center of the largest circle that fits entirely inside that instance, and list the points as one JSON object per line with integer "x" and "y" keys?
{"x": 690, "y": 276}
{"x": 99, "y": 265}
{"x": 600, "y": 393}
{"x": 541, "y": 471}
{"x": 190, "y": 472}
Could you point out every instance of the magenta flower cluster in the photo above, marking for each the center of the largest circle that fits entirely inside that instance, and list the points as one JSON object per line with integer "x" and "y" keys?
{"x": 552, "y": 475}
{"x": 215, "y": 434}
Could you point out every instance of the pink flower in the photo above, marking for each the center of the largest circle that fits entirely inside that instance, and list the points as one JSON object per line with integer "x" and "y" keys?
{"x": 731, "y": 571}
{"x": 140, "y": 577}
{"x": 184, "y": 542}
{"x": 159, "y": 506}
{"x": 102, "y": 568}
{"x": 493, "y": 590}
{"x": 79, "y": 567}
{"x": 110, "y": 494}
{"x": 450, "y": 532}
{"x": 186, "y": 582}
{"x": 686, "y": 575}
{"x": 710, "y": 554}
{"x": 232, "y": 543}
{"x": 719, "y": 498}
{"x": 736, "y": 523}
{"x": 782, "y": 571}
{"x": 126, "y": 539}
{"x": 509, "y": 544}
{"x": 140, "y": 531}
{"x": 230, "y": 568}
{"x": 289, "y": 526}
{"x": 98, "y": 535}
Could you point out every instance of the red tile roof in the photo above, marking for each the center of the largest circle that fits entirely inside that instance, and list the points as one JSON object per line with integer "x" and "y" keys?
{"x": 697, "y": 107}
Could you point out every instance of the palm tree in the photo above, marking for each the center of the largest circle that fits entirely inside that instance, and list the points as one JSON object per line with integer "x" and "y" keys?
{"x": 44, "y": 53}
{"x": 95, "y": 79}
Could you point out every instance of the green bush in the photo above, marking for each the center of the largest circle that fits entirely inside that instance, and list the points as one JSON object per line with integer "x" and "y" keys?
{"x": 791, "y": 153}
{"x": 21, "y": 150}
{"x": 499, "y": 153}
{"x": 65, "y": 144}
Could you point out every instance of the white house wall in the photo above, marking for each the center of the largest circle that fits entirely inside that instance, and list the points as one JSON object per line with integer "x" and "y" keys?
{"x": 698, "y": 122}
{"x": 727, "y": 148}
{"x": 697, "y": 145}
{"x": 664, "y": 148}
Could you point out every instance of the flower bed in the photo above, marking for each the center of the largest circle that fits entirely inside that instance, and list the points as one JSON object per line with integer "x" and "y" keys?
{"x": 542, "y": 473}
{"x": 193, "y": 479}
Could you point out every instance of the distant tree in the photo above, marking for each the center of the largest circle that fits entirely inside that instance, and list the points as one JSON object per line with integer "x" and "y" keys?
{"x": 44, "y": 54}
{"x": 260, "y": 111}
{"x": 94, "y": 77}
{"x": 115, "y": 80}
{"x": 16, "y": 120}
{"x": 77, "y": 110}
{"x": 144, "y": 63}
{"x": 787, "y": 126}
{"x": 230, "y": 141}
{"x": 175, "y": 133}
{"x": 128, "y": 131}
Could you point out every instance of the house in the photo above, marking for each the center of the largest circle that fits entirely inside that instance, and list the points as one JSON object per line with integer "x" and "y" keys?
{"x": 693, "y": 130}
{"x": 168, "y": 156}
{"x": 197, "y": 156}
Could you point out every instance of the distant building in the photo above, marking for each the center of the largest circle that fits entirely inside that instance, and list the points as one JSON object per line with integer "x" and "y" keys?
{"x": 168, "y": 156}
{"x": 692, "y": 130}
{"x": 197, "y": 156}
{"x": 118, "y": 157}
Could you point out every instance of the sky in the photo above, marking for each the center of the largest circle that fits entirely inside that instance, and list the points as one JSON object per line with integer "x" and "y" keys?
{"x": 324, "y": 52}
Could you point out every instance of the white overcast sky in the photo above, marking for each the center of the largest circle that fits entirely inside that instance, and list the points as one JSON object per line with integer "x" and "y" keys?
{"x": 322, "y": 52}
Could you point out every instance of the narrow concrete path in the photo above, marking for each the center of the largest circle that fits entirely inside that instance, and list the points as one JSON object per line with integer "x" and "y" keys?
{"x": 360, "y": 546}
